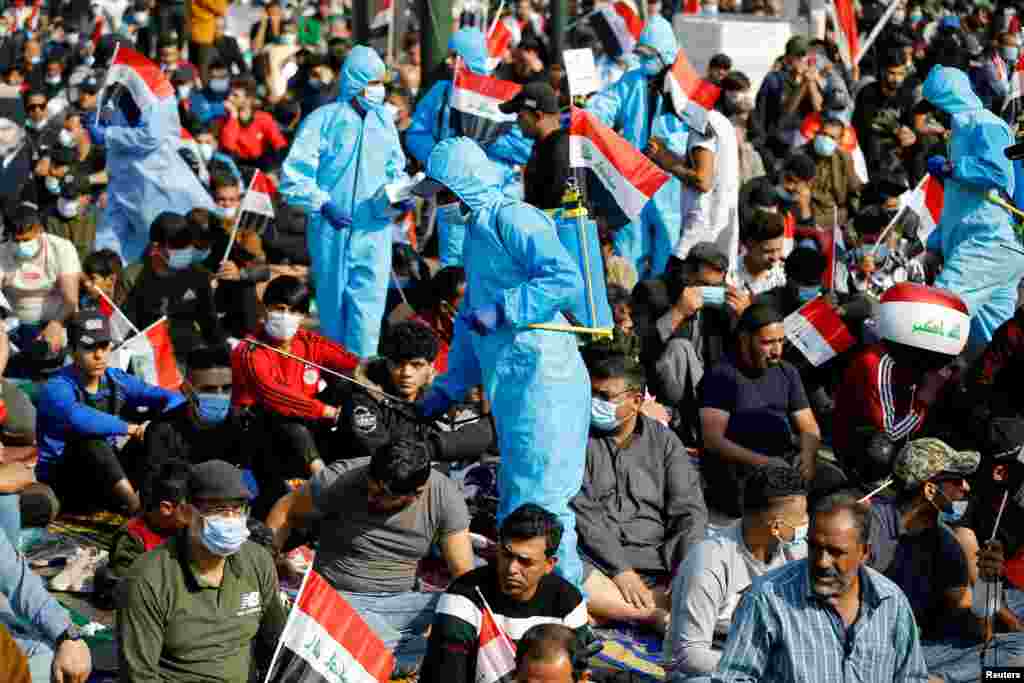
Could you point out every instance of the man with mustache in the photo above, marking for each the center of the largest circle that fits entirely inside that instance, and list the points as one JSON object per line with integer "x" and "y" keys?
{"x": 829, "y": 617}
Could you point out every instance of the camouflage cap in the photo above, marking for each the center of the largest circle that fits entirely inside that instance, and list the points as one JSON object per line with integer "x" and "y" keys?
{"x": 922, "y": 459}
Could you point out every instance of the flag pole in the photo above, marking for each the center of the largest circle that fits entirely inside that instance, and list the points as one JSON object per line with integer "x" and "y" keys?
{"x": 290, "y": 620}
{"x": 487, "y": 607}
{"x": 895, "y": 219}
{"x": 118, "y": 311}
{"x": 575, "y": 329}
{"x": 238, "y": 220}
{"x": 398, "y": 286}
{"x": 870, "y": 40}
{"x": 328, "y": 371}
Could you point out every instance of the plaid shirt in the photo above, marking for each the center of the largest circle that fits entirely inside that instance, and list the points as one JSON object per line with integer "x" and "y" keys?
{"x": 783, "y": 633}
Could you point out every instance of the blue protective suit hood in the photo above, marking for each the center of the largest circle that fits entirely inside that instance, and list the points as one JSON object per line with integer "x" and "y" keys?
{"x": 470, "y": 44}
{"x": 362, "y": 65}
{"x": 463, "y": 167}
{"x": 658, "y": 35}
{"x": 950, "y": 90}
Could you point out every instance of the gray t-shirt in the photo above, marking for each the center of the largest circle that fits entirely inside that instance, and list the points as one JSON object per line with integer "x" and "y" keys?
{"x": 705, "y": 592}
{"x": 367, "y": 552}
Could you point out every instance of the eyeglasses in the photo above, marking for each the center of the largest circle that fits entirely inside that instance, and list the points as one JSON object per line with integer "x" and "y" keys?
{"x": 34, "y": 106}
{"x": 223, "y": 509}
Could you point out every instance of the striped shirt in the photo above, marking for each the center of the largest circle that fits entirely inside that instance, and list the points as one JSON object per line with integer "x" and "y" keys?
{"x": 455, "y": 634}
{"x": 783, "y": 633}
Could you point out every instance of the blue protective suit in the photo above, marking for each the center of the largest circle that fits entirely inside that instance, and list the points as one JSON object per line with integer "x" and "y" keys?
{"x": 431, "y": 124}
{"x": 536, "y": 381}
{"x": 972, "y": 229}
{"x": 626, "y": 107}
{"x": 344, "y": 156}
{"x": 147, "y": 177}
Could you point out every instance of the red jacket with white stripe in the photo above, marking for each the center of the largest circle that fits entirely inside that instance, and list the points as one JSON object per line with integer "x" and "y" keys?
{"x": 284, "y": 385}
{"x": 876, "y": 393}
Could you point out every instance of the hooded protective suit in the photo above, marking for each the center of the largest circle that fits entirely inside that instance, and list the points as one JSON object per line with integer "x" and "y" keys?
{"x": 626, "y": 107}
{"x": 535, "y": 380}
{"x": 345, "y": 153}
{"x": 147, "y": 178}
{"x": 431, "y": 123}
{"x": 971, "y": 230}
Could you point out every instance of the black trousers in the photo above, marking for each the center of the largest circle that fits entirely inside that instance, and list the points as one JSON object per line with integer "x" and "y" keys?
{"x": 280, "y": 449}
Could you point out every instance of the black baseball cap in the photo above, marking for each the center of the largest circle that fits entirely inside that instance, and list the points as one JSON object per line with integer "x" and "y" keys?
{"x": 710, "y": 254}
{"x": 535, "y": 96}
{"x": 217, "y": 480}
{"x": 88, "y": 328}
{"x": 90, "y": 85}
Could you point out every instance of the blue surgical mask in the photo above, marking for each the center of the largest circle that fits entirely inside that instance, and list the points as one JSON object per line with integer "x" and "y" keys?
{"x": 200, "y": 255}
{"x": 316, "y": 83}
{"x": 451, "y": 214}
{"x": 28, "y": 248}
{"x": 824, "y": 146}
{"x": 602, "y": 415}
{"x": 219, "y": 85}
{"x": 180, "y": 259}
{"x": 52, "y": 184}
{"x": 1010, "y": 54}
{"x": 212, "y": 409}
{"x": 958, "y": 508}
{"x": 805, "y": 294}
{"x": 797, "y": 547}
{"x": 375, "y": 94}
{"x": 224, "y": 536}
{"x": 915, "y": 17}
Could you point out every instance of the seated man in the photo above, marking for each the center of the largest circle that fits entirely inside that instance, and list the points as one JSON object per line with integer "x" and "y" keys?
{"x": 203, "y": 428}
{"x": 718, "y": 570}
{"x": 251, "y": 136}
{"x": 163, "y": 515}
{"x": 41, "y": 627}
{"x": 276, "y": 395}
{"x": 681, "y": 334}
{"x": 552, "y": 653}
{"x": 520, "y": 588}
{"x": 378, "y": 518}
{"x": 41, "y": 274}
{"x": 193, "y": 608}
{"x": 764, "y": 239}
{"x": 828, "y": 617}
{"x": 914, "y": 546}
{"x": 367, "y": 423}
{"x": 640, "y": 509}
{"x": 169, "y": 286}
{"x": 754, "y": 412}
{"x": 79, "y": 420}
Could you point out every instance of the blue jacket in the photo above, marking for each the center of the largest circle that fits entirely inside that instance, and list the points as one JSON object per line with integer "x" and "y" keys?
{"x": 207, "y": 106}
{"x": 63, "y": 414}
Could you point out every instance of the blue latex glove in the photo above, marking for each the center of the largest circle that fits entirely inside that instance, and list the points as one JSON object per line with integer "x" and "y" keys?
{"x": 940, "y": 167}
{"x": 97, "y": 132}
{"x": 434, "y": 403}
{"x": 486, "y": 319}
{"x": 332, "y": 212}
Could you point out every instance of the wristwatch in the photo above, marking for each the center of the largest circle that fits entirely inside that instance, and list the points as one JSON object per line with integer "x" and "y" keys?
{"x": 72, "y": 633}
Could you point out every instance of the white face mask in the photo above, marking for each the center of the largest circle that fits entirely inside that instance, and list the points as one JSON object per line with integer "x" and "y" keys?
{"x": 206, "y": 150}
{"x": 375, "y": 94}
{"x": 53, "y": 80}
{"x": 282, "y": 326}
{"x": 65, "y": 138}
{"x": 230, "y": 211}
{"x": 184, "y": 91}
{"x": 68, "y": 208}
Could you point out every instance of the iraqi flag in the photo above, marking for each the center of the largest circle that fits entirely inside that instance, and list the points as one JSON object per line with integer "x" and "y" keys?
{"x": 325, "y": 641}
{"x": 847, "y": 35}
{"x": 152, "y": 355}
{"x": 849, "y": 144}
{"x": 817, "y": 331}
{"x": 629, "y": 176}
{"x": 496, "y": 653}
{"x": 382, "y": 19}
{"x": 260, "y": 197}
{"x": 926, "y": 200}
{"x": 143, "y": 79}
{"x": 834, "y": 246}
{"x": 121, "y": 327}
{"x": 618, "y": 28}
{"x": 692, "y": 96}
{"x": 475, "y": 102}
{"x": 789, "y": 233}
{"x": 499, "y": 39}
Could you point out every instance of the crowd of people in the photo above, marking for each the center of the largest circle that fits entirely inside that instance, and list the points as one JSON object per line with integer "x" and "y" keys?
{"x": 794, "y": 457}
